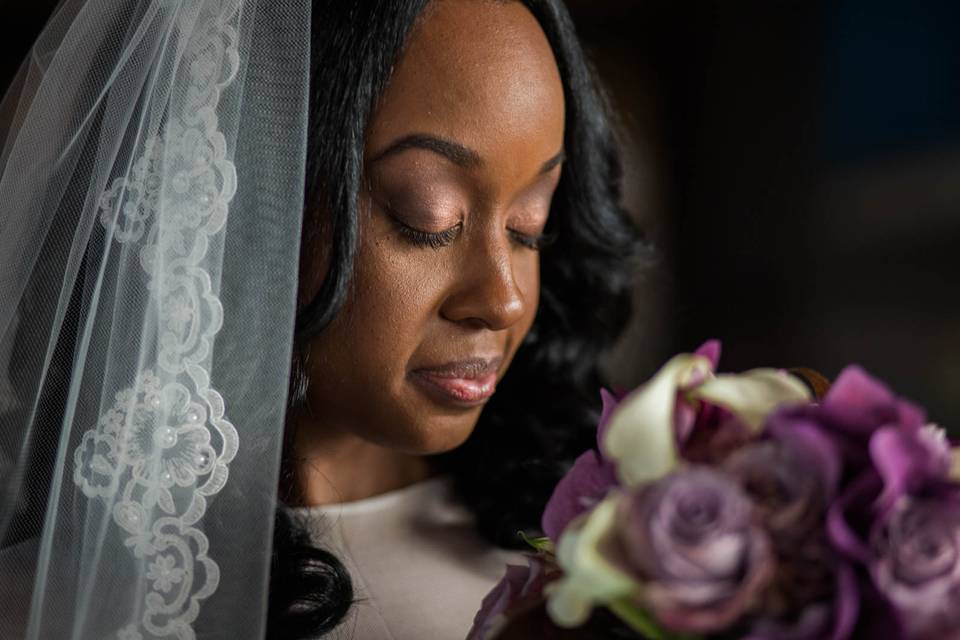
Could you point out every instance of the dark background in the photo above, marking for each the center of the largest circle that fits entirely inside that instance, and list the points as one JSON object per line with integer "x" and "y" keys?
{"x": 797, "y": 164}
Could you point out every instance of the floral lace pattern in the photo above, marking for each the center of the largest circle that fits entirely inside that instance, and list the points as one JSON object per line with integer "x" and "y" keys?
{"x": 164, "y": 446}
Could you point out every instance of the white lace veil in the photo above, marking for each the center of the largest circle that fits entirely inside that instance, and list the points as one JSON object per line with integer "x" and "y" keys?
{"x": 151, "y": 195}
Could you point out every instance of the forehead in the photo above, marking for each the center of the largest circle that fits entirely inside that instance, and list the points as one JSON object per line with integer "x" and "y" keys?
{"x": 481, "y": 73}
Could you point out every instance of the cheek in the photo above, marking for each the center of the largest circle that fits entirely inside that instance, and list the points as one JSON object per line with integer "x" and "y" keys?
{"x": 358, "y": 365}
{"x": 394, "y": 297}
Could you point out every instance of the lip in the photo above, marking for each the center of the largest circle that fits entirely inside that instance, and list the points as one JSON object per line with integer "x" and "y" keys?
{"x": 463, "y": 383}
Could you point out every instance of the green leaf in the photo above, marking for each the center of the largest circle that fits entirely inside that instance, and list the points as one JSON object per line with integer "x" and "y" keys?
{"x": 543, "y": 543}
{"x": 642, "y": 622}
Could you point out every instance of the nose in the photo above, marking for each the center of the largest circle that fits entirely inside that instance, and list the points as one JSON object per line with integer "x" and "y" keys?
{"x": 485, "y": 291}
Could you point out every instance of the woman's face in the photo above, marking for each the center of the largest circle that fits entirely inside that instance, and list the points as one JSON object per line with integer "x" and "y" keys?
{"x": 461, "y": 161}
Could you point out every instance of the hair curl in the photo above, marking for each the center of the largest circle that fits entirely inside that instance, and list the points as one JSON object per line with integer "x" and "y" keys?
{"x": 547, "y": 405}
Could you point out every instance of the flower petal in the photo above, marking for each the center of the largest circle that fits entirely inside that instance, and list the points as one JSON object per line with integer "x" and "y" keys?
{"x": 610, "y": 402}
{"x": 519, "y": 587}
{"x": 589, "y": 578}
{"x": 859, "y": 404}
{"x": 640, "y": 437}
{"x": 904, "y": 461}
{"x": 858, "y": 495}
{"x": 711, "y": 351}
{"x": 846, "y": 603}
{"x": 802, "y": 434}
{"x": 752, "y": 395}
{"x": 586, "y": 484}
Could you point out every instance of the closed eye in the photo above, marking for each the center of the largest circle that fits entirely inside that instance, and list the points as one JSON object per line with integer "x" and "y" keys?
{"x": 426, "y": 238}
{"x": 440, "y": 239}
{"x": 418, "y": 237}
{"x": 535, "y": 242}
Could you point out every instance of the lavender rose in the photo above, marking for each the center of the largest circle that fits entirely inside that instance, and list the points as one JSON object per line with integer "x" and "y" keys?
{"x": 916, "y": 565}
{"x": 691, "y": 540}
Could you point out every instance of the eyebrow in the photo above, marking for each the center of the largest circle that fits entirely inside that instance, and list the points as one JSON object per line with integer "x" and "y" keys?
{"x": 454, "y": 152}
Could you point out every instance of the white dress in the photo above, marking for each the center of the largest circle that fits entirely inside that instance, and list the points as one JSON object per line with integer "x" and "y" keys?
{"x": 417, "y": 565}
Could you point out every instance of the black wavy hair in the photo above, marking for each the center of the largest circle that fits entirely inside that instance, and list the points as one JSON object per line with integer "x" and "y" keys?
{"x": 547, "y": 405}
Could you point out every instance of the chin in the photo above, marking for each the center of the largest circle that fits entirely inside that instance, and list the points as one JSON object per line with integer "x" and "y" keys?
{"x": 424, "y": 424}
{"x": 437, "y": 434}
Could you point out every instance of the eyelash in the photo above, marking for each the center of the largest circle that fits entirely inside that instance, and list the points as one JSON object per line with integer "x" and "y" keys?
{"x": 425, "y": 239}
{"x": 443, "y": 238}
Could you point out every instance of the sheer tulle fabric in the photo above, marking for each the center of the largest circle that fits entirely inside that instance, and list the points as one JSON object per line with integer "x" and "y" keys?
{"x": 151, "y": 195}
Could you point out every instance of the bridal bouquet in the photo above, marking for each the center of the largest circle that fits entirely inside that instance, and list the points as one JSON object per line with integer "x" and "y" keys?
{"x": 740, "y": 506}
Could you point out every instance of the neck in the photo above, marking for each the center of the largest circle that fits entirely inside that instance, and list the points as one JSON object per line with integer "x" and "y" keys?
{"x": 332, "y": 466}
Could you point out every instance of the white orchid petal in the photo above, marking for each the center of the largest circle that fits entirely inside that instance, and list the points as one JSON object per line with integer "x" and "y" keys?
{"x": 640, "y": 437}
{"x": 752, "y": 395}
{"x": 589, "y": 578}
{"x": 567, "y": 606}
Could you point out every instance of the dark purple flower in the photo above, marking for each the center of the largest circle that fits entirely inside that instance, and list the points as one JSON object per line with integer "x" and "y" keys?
{"x": 885, "y": 452}
{"x": 692, "y": 541}
{"x": 586, "y": 484}
{"x": 888, "y": 455}
{"x": 908, "y": 460}
{"x": 858, "y": 404}
{"x": 852, "y": 514}
{"x": 819, "y": 620}
{"x": 609, "y": 402}
{"x": 713, "y": 435}
{"x": 520, "y": 588}
{"x": 791, "y": 476}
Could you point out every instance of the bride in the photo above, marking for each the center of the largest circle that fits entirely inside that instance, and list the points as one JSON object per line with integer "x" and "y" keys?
{"x": 329, "y": 279}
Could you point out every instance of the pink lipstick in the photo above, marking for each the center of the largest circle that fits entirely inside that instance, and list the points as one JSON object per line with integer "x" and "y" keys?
{"x": 462, "y": 383}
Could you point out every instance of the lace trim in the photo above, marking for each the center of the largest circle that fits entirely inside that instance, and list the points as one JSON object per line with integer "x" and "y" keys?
{"x": 165, "y": 439}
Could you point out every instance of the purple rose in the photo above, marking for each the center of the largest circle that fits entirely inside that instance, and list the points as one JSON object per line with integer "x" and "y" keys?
{"x": 520, "y": 588}
{"x": 791, "y": 475}
{"x": 915, "y": 564}
{"x": 889, "y": 456}
{"x": 692, "y": 541}
{"x": 885, "y": 452}
{"x": 819, "y": 622}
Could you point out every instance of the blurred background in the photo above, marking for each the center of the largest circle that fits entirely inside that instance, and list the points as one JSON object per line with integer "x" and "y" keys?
{"x": 796, "y": 163}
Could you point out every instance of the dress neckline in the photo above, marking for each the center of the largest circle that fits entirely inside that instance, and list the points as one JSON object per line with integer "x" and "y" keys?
{"x": 412, "y": 492}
